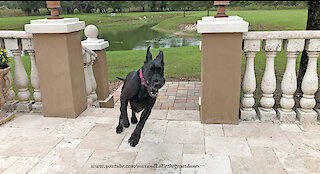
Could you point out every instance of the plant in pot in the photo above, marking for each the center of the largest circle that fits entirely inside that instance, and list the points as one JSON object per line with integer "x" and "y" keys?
{"x": 5, "y": 84}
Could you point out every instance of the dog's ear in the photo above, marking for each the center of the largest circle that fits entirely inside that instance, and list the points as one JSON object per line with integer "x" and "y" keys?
{"x": 160, "y": 57}
{"x": 148, "y": 56}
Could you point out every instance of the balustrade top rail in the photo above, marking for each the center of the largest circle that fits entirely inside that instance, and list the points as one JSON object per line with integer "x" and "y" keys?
{"x": 258, "y": 35}
{"x": 15, "y": 34}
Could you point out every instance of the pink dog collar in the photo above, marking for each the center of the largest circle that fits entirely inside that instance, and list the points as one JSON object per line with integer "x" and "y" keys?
{"x": 142, "y": 79}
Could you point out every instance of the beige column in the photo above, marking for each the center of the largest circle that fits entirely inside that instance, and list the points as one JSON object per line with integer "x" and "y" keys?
{"x": 221, "y": 68}
{"x": 100, "y": 68}
{"x": 57, "y": 45}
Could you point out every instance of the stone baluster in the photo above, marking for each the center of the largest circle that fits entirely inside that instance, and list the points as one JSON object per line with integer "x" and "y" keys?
{"x": 93, "y": 93}
{"x": 21, "y": 78}
{"x": 86, "y": 61}
{"x": 268, "y": 84}
{"x": 309, "y": 85}
{"x": 27, "y": 44}
{"x": 289, "y": 80}
{"x": 250, "y": 48}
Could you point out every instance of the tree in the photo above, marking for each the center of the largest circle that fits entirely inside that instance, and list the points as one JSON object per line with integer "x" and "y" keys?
{"x": 207, "y": 5}
{"x": 180, "y": 5}
{"x": 67, "y": 7}
{"x": 141, "y": 4}
{"x": 102, "y": 6}
{"x": 313, "y": 23}
{"x": 31, "y": 7}
{"x": 83, "y": 6}
{"x": 153, "y": 5}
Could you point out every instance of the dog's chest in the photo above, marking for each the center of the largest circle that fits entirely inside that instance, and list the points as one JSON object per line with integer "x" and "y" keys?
{"x": 140, "y": 101}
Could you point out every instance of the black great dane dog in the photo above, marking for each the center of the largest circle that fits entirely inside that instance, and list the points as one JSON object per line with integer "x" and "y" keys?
{"x": 140, "y": 88}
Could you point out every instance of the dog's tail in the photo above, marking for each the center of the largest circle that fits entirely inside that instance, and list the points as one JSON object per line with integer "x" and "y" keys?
{"x": 120, "y": 78}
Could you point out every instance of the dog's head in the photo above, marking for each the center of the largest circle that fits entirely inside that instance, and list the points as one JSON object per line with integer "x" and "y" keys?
{"x": 153, "y": 72}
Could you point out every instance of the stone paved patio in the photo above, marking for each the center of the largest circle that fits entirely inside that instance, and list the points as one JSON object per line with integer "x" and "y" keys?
{"x": 36, "y": 144}
{"x": 173, "y": 95}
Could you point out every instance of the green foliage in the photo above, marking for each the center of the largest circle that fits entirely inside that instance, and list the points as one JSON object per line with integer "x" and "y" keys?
{"x": 4, "y": 60}
{"x": 31, "y": 7}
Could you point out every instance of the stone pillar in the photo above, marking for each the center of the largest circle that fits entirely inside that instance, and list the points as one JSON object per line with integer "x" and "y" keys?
{"x": 221, "y": 68}
{"x": 58, "y": 52}
{"x": 100, "y": 68}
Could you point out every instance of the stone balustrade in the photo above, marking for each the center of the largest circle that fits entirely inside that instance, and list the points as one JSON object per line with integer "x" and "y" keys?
{"x": 88, "y": 59}
{"x": 292, "y": 42}
{"x": 16, "y": 42}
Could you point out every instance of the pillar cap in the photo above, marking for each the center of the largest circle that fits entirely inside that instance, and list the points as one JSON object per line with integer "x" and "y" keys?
{"x": 92, "y": 42}
{"x": 231, "y": 24}
{"x": 66, "y": 25}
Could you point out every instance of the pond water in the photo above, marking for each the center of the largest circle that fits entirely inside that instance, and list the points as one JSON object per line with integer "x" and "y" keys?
{"x": 142, "y": 37}
{"x": 139, "y": 39}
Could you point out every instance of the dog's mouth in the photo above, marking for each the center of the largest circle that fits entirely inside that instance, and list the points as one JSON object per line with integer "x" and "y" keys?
{"x": 153, "y": 92}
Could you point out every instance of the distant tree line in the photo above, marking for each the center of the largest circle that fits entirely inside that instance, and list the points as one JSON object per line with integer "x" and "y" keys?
{"x": 69, "y": 7}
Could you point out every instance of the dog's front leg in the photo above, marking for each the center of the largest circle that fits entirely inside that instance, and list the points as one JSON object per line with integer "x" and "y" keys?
{"x": 135, "y": 136}
{"x": 123, "y": 120}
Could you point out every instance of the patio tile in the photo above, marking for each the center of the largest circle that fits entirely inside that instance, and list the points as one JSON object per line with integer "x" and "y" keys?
{"x": 310, "y": 127}
{"x": 192, "y": 132}
{"x": 91, "y": 111}
{"x": 101, "y": 120}
{"x": 213, "y": 130}
{"x": 22, "y": 165}
{"x": 193, "y": 149}
{"x": 125, "y": 146}
{"x": 298, "y": 160}
{"x": 162, "y": 153}
{"x": 290, "y": 127}
{"x": 205, "y": 163}
{"x": 174, "y": 132}
{"x": 252, "y": 129}
{"x": 305, "y": 141}
{"x": 158, "y": 114}
{"x": 63, "y": 160}
{"x": 28, "y": 146}
{"x": 263, "y": 160}
{"x": 7, "y": 161}
{"x": 109, "y": 158}
{"x": 233, "y": 146}
{"x": 185, "y": 115}
{"x": 38, "y": 121}
{"x": 101, "y": 137}
{"x": 73, "y": 128}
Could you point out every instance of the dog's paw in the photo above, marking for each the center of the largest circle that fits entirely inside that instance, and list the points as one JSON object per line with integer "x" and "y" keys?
{"x": 119, "y": 129}
{"x": 126, "y": 124}
{"x": 134, "y": 120}
{"x": 134, "y": 140}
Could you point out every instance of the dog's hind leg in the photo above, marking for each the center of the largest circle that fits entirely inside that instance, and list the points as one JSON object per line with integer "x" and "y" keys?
{"x": 134, "y": 119}
{"x": 123, "y": 120}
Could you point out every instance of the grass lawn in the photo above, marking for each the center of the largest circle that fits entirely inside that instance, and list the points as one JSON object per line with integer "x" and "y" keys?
{"x": 258, "y": 20}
